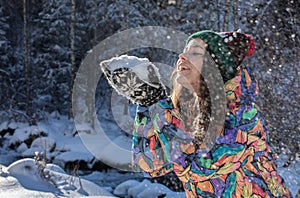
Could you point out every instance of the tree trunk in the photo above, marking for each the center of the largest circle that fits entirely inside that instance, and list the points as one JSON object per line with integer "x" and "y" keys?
{"x": 72, "y": 39}
{"x": 25, "y": 53}
{"x": 226, "y": 16}
{"x": 235, "y": 15}
{"x": 218, "y": 10}
{"x": 95, "y": 21}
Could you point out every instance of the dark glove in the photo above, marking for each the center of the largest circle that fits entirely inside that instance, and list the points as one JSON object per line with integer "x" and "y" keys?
{"x": 135, "y": 78}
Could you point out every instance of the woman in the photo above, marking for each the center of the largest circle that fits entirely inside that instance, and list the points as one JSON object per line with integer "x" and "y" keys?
{"x": 173, "y": 134}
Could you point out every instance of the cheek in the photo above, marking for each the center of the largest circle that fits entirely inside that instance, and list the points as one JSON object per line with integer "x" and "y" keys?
{"x": 198, "y": 65}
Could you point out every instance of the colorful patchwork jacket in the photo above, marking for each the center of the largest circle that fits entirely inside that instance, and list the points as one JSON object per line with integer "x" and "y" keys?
{"x": 241, "y": 163}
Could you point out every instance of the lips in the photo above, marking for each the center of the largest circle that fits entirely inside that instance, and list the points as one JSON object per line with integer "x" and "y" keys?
{"x": 182, "y": 67}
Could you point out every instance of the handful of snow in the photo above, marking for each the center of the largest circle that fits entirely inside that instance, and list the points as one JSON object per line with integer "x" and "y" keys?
{"x": 135, "y": 78}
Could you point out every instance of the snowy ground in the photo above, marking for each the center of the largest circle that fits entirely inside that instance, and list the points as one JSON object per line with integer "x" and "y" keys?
{"x": 24, "y": 178}
{"x": 58, "y": 139}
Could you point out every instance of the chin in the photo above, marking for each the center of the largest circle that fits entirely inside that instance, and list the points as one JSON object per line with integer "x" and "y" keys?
{"x": 183, "y": 81}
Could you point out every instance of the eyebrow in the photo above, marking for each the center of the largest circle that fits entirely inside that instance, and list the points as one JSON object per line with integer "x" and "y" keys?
{"x": 195, "y": 46}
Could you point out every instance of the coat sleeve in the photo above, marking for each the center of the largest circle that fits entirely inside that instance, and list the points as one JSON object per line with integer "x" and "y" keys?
{"x": 158, "y": 138}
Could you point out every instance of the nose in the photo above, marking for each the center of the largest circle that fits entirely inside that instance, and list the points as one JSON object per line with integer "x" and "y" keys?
{"x": 182, "y": 56}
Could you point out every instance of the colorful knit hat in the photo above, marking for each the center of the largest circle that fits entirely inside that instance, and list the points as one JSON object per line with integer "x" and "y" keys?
{"x": 227, "y": 49}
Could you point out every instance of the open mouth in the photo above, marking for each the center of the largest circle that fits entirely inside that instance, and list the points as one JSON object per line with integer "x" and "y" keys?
{"x": 183, "y": 68}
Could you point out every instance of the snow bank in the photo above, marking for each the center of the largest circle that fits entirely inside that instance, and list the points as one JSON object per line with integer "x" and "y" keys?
{"x": 24, "y": 178}
{"x": 145, "y": 189}
{"x": 122, "y": 189}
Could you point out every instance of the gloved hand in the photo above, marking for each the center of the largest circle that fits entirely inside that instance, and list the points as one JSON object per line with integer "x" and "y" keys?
{"x": 135, "y": 78}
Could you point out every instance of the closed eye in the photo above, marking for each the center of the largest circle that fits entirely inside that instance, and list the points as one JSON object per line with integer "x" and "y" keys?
{"x": 198, "y": 54}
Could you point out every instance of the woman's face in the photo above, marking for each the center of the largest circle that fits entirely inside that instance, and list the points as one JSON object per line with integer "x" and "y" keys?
{"x": 190, "y": 63}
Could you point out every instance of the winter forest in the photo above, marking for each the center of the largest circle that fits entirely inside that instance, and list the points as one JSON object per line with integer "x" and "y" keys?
{"x": 43, "y": 44}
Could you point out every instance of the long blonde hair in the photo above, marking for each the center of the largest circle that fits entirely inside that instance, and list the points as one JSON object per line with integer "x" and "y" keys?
{"x": 194, "y": 108}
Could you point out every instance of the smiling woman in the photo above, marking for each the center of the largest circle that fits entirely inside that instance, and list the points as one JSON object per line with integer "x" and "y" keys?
{"x": 235, "y": 158}
{"x": 241, "y": 162}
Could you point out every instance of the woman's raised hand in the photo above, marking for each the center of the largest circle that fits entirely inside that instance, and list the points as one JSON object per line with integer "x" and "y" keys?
{"x": 135, "y": 78}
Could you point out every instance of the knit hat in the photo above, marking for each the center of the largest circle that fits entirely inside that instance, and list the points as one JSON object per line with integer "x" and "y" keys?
{"x": 227, "y": 49}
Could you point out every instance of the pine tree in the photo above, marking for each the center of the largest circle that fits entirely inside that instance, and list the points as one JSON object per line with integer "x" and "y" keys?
{"x": 5, "y": 56}
{"x": 51, "y": 54}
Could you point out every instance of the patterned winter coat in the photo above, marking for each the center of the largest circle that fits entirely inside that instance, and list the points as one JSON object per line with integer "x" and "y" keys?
{"x": 241, "y": 163}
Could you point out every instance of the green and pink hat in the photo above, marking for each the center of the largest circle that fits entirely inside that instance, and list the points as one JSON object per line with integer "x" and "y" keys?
{"x": 227, "y": 49}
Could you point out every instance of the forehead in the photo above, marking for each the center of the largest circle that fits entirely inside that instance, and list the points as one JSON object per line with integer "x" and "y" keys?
{"x": 196, "y": 43}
